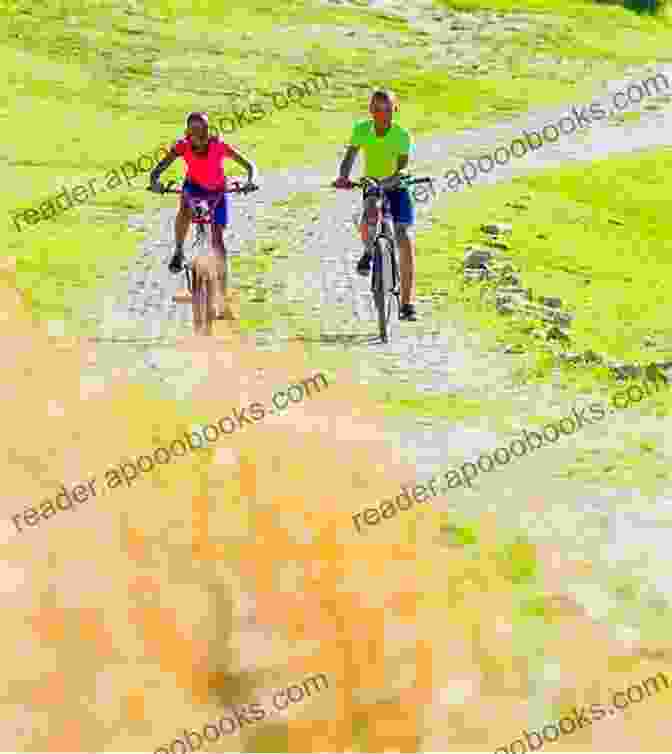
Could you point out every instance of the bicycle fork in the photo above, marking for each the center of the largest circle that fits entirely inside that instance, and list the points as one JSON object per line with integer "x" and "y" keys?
{"x": 385, "y": 230}
{"x": 379, "y": 225}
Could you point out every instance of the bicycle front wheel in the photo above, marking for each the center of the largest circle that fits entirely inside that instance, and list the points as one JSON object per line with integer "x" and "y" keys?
{"x": 382, "y": 284}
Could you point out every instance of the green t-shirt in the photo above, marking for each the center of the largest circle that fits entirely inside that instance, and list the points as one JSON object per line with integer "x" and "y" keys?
{"x": 380, "y": 152}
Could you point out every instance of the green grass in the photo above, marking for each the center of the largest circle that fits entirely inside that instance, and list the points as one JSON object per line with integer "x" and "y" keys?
{"x": 605, "y": 253}
{"x": 395, "y": 400}
{"x": 102, "y": 83}
{"x": 588, "y": 30}
{"x": 581, "y": 10}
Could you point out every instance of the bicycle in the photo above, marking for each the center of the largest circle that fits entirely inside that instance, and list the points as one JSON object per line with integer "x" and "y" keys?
{"x": 203, "y": 270}
{"x": 383, "y": 246}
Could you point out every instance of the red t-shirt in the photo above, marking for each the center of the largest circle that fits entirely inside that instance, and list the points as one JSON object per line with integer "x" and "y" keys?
{"x": 205, "y": 170}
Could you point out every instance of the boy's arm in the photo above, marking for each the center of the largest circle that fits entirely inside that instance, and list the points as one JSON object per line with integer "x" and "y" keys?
{"x": 343, "y": 180}
{"x": 241, "y": 160}
{"x": 166, "y": 162}
{"x": 347, "y": 162}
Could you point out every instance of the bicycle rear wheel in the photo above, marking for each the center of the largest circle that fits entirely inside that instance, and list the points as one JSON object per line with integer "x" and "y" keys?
{"x": 382, "y": 284}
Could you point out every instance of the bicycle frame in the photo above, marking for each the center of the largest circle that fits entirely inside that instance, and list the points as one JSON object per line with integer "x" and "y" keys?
{"x": 205, "y": 272}
{"x": 202, "y": 216}
{"x": 384, "y": 278}
{"x": 377, "y": 216}
{"x": 380, "y": 214}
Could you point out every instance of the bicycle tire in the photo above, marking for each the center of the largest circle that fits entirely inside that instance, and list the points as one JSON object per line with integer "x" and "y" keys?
{"x": 382, "y": 284}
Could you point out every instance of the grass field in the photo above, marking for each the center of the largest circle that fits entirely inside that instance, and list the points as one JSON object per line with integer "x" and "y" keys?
{"x": 92, "y": 86}
{"x": 605, "y": 253}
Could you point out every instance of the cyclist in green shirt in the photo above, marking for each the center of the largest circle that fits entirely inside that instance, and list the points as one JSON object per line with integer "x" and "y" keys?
{"x": 386, "y": 148}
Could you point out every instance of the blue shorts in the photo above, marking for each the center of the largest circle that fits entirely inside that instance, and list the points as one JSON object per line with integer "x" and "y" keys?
{"x": 198, "y": 192}
{"x": 401, "y": 206}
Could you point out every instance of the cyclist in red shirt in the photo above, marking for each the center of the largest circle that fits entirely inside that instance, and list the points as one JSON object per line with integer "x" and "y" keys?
{"x": 204, "y": 156}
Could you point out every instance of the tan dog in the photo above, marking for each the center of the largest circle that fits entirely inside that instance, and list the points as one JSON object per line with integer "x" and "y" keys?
{"x": 209, "y": 283}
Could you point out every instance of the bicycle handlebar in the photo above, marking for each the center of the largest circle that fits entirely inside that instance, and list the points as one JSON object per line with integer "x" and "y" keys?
{"x": 404, "y": 180}
{"x": 238, "y": 188}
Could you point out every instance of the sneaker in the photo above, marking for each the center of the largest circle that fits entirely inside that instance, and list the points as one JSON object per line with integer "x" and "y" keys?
{"x": 407, "y": 312}
{"x": 175, "y": 264}
{"x": 364, "y": 264}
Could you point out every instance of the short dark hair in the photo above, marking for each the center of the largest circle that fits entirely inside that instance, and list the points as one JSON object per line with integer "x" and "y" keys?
{"x": 197, "y": 116}
{"x": 384, "y": 94}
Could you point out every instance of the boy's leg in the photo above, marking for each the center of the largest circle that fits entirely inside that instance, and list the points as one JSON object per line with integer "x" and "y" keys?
{"x": 364, "y": 264}
{"x": 406, "y": 262}
{"x": 182, "y": 223}
{"x": 403, "y": 214}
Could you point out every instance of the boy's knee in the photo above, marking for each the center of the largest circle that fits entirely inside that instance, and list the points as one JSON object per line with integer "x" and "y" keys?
{"x": 403, "y": 232}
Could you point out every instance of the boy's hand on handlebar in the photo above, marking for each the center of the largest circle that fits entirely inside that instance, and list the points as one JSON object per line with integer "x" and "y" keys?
{"x": 344, "y": 183}
{"x": 392, "y": 182}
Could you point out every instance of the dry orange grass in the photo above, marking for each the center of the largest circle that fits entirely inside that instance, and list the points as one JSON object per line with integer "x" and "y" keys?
{"x": 124, "y": 622}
